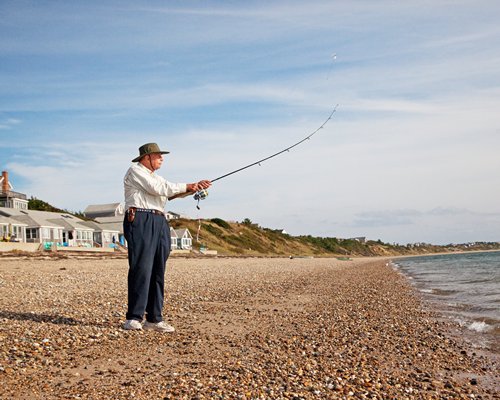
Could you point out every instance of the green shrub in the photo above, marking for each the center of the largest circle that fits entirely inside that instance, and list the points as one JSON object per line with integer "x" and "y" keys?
{"x": 221, "y": 223}
{"x": 213, "y": 230}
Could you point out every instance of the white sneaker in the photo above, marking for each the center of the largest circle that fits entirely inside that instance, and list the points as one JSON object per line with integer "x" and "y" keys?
{"x": 132, "y": 325}
{"x": 159, "y": 326}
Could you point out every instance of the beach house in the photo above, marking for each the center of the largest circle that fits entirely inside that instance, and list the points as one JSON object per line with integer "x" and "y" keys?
{"x": 184, "y": 239}
{"x": 9, "y": 198}
{"x": 51, "y": 227}
{"x": 103, "y": 235}
{"x": 113, "y": 224}
{"x": 108, "y": 222}
{"x": 12, "y": 230}
{"x": 109, "y": 217}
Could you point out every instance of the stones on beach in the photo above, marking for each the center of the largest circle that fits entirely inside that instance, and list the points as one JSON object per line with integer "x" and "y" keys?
{"x": 246, "y": 329}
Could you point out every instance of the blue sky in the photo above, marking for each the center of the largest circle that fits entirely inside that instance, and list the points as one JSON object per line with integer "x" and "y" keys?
{"x": 411, "y": 154}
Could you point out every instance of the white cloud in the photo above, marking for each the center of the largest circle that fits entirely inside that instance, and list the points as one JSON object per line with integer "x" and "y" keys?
{"x": 417, "y": 127}
{"x": 9, "y": 123}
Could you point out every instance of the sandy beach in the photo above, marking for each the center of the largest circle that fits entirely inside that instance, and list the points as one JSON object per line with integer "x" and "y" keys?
{"x": 247, "y": 328}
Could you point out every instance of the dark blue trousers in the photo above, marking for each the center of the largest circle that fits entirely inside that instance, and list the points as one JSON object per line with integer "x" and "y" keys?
{"x": 148, "y": 238}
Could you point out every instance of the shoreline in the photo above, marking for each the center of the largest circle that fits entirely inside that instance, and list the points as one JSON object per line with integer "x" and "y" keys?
{"x": 83, "y": 254}
{"x": 276, "y": 327}
{"x": 484, "y": 340}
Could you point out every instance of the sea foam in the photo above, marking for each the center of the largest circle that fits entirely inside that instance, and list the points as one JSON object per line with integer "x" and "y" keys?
{"x": 479, "y": 326}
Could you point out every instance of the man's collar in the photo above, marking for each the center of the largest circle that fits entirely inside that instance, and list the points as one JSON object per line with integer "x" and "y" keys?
{"x": 140, "y": 165}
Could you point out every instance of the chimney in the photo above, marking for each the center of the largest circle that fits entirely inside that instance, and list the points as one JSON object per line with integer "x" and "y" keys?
{"x": 5, "y": 182}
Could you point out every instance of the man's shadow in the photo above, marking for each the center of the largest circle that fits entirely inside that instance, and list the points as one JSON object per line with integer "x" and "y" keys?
{"x": 27, "y": 316}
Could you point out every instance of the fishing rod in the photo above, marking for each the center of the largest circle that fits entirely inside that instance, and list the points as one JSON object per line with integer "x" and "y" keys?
{"x": 279, "y": 152}
{"x": 202, "y": 194}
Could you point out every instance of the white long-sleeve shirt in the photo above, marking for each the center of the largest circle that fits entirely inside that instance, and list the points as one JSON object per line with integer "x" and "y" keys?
{"x": 145, "y": 189}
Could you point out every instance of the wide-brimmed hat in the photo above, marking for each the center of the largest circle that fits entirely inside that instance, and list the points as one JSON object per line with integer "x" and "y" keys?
{"x": 149, "y": 148}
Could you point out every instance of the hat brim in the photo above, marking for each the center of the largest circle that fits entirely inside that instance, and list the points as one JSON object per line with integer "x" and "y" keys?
{"x": 138, "y": 158}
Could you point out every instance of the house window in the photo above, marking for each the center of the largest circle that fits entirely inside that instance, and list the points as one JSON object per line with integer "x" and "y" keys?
{"x": 17, "y": 230}
{"x": 84, "y": 235}
{"x": 31, "y": 233}
{"x": 45, "y": 233}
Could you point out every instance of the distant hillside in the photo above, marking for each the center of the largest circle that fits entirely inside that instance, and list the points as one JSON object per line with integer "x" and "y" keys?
{"x": 246, "y": 238}
{"x": 249, "y": 239}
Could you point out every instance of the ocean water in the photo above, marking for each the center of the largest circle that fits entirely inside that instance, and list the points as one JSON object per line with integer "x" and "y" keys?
{"x": 463, "y": 287}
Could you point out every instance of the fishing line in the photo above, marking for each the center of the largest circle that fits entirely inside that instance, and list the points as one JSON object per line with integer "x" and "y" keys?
{"x": 202, "y": 194}
{"x": 334, "y": 58}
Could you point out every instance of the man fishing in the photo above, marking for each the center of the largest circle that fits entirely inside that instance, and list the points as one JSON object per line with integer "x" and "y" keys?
{"x": 148, "y": 236}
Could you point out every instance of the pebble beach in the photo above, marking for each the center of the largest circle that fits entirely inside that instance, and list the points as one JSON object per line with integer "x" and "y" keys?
{"x": 246, "y": 328}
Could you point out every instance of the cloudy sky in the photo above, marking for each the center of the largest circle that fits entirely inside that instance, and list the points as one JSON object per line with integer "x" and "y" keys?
{"x": 411, "y": 154}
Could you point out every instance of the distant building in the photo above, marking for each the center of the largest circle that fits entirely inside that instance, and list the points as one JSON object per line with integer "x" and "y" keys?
{"x": 55, "y": 227}
{"x": 172, "y": 215}
{"x": 96, "y": 211}
{"x": 12, "y": 230}
{"x": 180, "y": 240}
{"x": 9, "y": 198}
{"x": 184, "y": 239}
{"x": 103, "y": 235}
{"x": 104, "y": 210}
{"x": 360, "y": 239}
{"x": 173, "y": 239}
{"x": 113, "y": 224}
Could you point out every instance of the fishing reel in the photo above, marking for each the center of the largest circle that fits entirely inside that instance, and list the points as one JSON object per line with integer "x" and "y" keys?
{"x": 200, "y": 195}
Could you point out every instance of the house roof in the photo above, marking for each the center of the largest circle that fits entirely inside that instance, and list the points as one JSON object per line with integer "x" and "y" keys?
{"x": 112, "y": 226}
{"x": 183, "y": 233}
{"x": 36, "y": 218}
{"x": 31, "y": 218}
{"x": 100, "y": 208}
{"x": 107, "y": 220}
{"x": 102, "y": 227}
{"x": 10, "y": 221}
{"x": 70, "y": 224}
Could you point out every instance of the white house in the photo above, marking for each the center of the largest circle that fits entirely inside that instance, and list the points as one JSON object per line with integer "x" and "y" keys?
{"x": 113, "y": 224}
{"x": 172, "y": 215}
{"x": 173, "y": 239}
{"x": 52, "y": 227}
{"x": 103, "y": 235}
{"x": 38, "y": 230}
{"x": 184, "y": 239}
{"x": 9, "y": 198}
{"x": 11, "y": 229}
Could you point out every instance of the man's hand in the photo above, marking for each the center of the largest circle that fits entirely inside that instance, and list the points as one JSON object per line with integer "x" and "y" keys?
{"x": 194, "y": 187}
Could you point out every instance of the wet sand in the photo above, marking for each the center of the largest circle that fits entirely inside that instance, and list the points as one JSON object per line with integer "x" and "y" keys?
{"x": 246, "y": 329}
